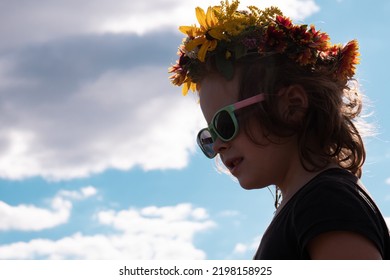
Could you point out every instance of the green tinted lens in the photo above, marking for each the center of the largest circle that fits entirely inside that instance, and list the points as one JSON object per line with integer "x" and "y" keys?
{"x": 224, "y": 125}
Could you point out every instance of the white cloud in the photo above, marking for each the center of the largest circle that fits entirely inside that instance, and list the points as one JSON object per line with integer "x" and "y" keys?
{"x": 182, "y": 211}
{"x": 148, "y": 233}
{"x": 183, "y": 13}
{"x": 178, "y": 222}
{"x": 29, "y": 217}
{"x": 84, "y": 193}
{"x": 388, "y": 181}
{"x": 32, "y": 218}
{"x": 241, "y": 249}
{"x": 119, "y": 120}
{"x": 42, "y": 20}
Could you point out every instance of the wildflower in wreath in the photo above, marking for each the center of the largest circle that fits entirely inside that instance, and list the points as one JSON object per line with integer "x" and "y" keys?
{"x": 226, "y": 34}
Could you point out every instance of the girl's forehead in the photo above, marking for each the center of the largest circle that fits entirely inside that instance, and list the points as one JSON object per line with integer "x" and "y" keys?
{"x": 215, "y": 93}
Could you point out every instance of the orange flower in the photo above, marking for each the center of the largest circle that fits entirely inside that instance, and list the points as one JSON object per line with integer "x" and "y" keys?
{"x": 306, "y": 57}
{"x": 330, "y": 52}
{"x": 349, "y": 59}
{"x": 180, "y": 73}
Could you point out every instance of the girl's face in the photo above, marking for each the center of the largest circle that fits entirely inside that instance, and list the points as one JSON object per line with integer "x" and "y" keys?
{"x": 253, "y": 165}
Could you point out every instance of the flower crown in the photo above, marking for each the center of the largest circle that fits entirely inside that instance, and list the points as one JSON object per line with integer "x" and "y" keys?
{"x": 228, "y": 35}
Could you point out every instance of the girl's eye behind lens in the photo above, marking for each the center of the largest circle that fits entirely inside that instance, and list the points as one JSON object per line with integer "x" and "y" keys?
{"x": 224, "y": 124}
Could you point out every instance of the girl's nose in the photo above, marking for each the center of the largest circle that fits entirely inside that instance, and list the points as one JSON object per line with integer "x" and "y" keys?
{"x": 220, "y": 146}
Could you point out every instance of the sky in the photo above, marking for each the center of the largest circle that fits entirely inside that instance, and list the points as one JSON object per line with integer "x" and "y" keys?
{"x": 98, "y": 158}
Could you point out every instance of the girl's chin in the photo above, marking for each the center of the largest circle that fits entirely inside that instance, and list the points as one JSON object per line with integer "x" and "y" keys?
{"x": 250, "y": 185}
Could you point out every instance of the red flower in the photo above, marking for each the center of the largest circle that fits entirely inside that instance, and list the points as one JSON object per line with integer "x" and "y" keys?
{"x": 284, "y": 21}
{"x": 178, "y": 70}
{"x": 320, "y": 40}
{"x": 275, "y": 40}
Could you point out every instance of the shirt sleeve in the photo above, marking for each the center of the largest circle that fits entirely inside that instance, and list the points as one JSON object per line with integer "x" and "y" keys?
{"x": 334, "y": 206}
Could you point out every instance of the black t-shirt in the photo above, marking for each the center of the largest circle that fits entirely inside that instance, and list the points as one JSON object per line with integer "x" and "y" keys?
{"x": 332, "y": 201}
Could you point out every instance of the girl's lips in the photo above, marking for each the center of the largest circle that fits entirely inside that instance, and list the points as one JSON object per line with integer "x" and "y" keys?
{"x": 233, "y": 164}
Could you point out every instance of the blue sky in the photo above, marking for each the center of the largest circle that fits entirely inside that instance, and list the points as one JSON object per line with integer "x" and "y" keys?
{"x": 97, "y": 152}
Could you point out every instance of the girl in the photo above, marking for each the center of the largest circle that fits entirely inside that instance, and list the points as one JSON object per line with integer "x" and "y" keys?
{"x": 281, "y": 106}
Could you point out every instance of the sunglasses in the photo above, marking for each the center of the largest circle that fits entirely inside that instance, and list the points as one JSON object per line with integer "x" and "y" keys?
{"x": 224, "y": 125}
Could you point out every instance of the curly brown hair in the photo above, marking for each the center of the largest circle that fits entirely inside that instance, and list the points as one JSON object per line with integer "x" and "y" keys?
{"x": 328, "y": 132}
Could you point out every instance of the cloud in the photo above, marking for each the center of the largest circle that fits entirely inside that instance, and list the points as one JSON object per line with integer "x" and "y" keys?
{"x": 114, "y": 111}
{"x": 84, "y": 193}
{"x": 169, "y": 13}
{"x": 32, "y": 218}
{"x": 146, "y": 233}
{"x": 45, "y": 20}
{"x": 246, "y": 248}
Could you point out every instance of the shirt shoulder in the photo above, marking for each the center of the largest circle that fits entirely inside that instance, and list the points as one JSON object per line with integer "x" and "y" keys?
{"x": 334, "y": 200}
{"x": 337, "y": 201}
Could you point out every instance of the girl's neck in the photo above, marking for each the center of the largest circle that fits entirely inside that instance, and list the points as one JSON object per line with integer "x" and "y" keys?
{"x": 295, "y": 179}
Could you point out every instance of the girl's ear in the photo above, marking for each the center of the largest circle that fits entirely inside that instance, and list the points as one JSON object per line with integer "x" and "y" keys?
{"x": 293, "y": 103}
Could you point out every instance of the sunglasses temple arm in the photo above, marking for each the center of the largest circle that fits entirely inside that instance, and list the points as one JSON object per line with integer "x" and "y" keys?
{"x": 249, "y": 101}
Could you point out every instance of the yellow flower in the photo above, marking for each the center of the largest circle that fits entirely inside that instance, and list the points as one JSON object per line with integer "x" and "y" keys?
{"x": 188, "y": 85}
{"x": 208, "y": 20}
{"x": 207, "y": 35}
